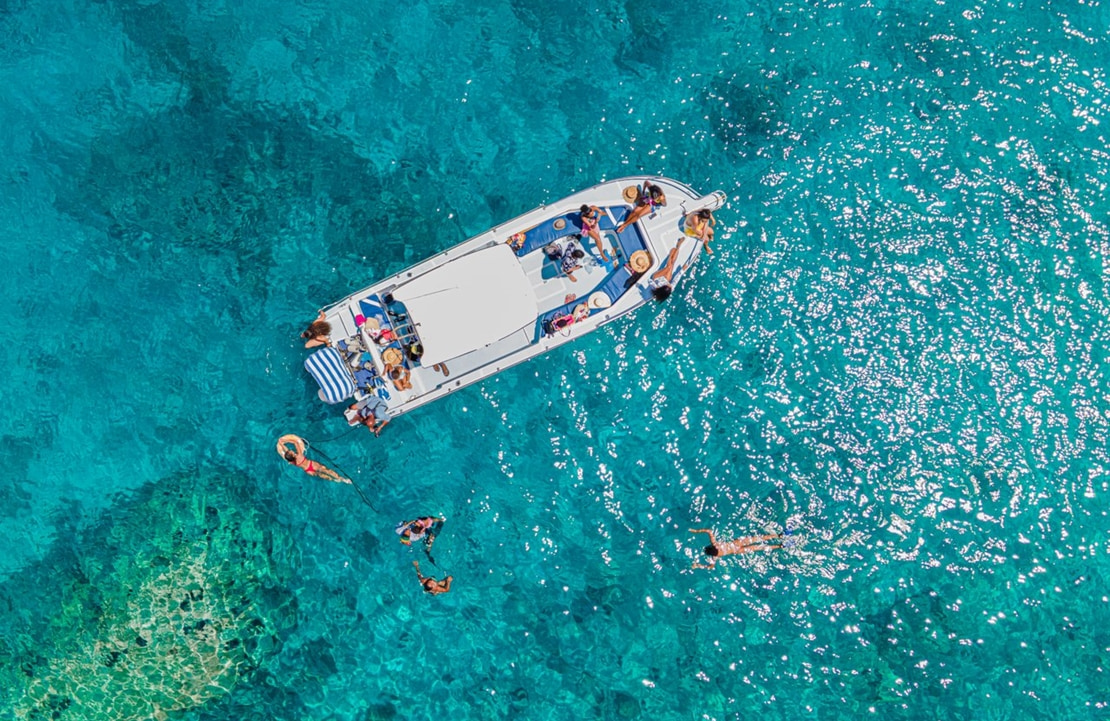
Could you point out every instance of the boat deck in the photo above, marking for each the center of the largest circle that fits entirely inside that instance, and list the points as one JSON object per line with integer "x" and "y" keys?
{"x": 358, "y": 318}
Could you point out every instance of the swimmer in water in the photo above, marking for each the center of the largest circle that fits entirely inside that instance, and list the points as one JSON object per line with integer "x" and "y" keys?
{"x": 431, "y": 585}
{"x": 716, "y": 548}
{"x": 422, "y": 528}
{"x": 296, "y": 457}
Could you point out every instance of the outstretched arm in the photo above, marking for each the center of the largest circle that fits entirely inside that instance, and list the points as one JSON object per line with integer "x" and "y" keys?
{"x": 708, "y": 532}
{"x": 290, "y": 439}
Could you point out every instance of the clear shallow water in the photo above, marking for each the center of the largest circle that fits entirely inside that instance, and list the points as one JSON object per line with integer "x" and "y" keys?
{"x": 898, "y": 349}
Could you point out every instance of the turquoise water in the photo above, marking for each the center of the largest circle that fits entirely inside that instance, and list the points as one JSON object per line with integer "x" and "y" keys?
{"x": 898, "y": 351}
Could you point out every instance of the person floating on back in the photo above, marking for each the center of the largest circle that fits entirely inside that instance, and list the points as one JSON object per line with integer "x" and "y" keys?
{"x": 716, "y": 548}
{"x": 296, "y": 456}
{"x": 431, "y": 585}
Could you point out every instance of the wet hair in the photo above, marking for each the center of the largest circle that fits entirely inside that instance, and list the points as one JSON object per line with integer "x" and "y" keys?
{"x": 584, "y": 209}
{"x": 395, "y": 373}
{"x": 661, "y": 292}
{"x": 578, "y": 253}
{"x": 428, "y": 584}
{"x": 317, "y": 329}
{"x": 704, "y": 214}
{"x": 712, "y": 551}
{"x": 291, "y": 456}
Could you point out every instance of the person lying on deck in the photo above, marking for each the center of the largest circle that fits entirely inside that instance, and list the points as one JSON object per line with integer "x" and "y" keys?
{"x": 661, "y": 280}
{"x": 296, "y": 456}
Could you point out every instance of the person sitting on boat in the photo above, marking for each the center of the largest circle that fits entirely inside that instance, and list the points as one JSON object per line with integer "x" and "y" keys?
{"x": 296, "y": 456}
{"x": 590, "y": 218}
{"x": 651, "y": 197}
{"x": 425, "y": 527}
{"x": 431, "y": 585}
{"x": 716, "y": 548}
{"x": 317, "y": 333}
{"x": 661, "y": 280}
{"x": 572, "y": 260}
{"x": 399, "y": 374}
{"x": 371, "y": 412}
{"x": 700, "y": 225}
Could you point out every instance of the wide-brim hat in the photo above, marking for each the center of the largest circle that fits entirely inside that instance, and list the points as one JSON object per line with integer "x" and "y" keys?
{"x": 640, "y": 261}
{"x": 631, "y": 193}
{"x": 392, "y": 356}
{"x": 371, "y": 324}
{"x": 599, "y": 300}
{"x": 559, "y": 224}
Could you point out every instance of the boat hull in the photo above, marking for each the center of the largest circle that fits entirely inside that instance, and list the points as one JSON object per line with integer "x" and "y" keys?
{"x": 501, "y": 298}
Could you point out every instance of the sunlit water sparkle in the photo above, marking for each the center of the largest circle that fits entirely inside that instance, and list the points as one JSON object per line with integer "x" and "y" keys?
{"x": 897, "y": 351}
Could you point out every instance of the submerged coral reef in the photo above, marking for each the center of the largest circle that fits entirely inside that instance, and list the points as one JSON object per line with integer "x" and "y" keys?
{"x": 170, "y": 602}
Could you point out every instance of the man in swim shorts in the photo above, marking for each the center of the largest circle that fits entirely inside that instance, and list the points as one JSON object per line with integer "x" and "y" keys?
{"x": 371, "y": 412}
{"x": 431, "y": 585}
{"x": 716, "y": 548}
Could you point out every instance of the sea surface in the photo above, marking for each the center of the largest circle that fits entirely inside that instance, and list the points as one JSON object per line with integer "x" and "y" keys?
{"x": 896, "y": 356}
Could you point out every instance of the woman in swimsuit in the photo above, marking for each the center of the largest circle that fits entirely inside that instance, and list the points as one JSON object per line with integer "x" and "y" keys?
{"x": 590, "y": 217}
{"x": 661, "y": 280}
{"x": 297, "y": 457}
{"x": 400, "y": 375}
{"x": 716, "y": 548}
{"x": 317, "y": 332}
{"x": 651, "y": 197}
{"x": 700, "y": 226}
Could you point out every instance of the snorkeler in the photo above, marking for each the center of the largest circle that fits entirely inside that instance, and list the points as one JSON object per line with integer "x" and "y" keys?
{"x": 296, "y": 456}
{"x": 716, "y": 548}
{"x": 425, "y": 527}
{"x": 431, "y": 585}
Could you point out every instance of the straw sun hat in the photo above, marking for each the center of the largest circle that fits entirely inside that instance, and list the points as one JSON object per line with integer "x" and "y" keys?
{"x": 392, "y": 356}
{"x": 599, "y": 300}
{"x": 640, "y": 261}
{"x": 631, "y": 193}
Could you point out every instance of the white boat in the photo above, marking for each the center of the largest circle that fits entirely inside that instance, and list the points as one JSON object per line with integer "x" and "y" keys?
{"x": 499, "y": 298}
